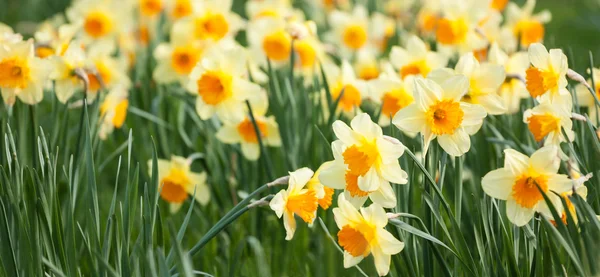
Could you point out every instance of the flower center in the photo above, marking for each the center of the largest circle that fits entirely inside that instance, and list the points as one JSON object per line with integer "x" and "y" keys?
{"x": 525, "y": 191}
{"x": 415, "y": 68}
{"x": 394, "y": 101}
{"x": 368, "y": 72}
{"x": 355, "y": 36}
{"x": 542, "y": 125}
{"x": 306, "y": 54}
{"x": 103, "y": 72}
{"x": 444, "y": 117}
{"x": 304, "y": 205}
{"x": 350, "y": 99}
{"x": 451, "y": 31}
{"x": 499, "y": 5}
{"x": 355, "y": 240}
{"x": 14, "y": 73}
{"x": 428, "y": 21}
{"x": 182, "y": 8}
{"x": 539, "y": 82}
{"x": 212, "y": 25}
{"x": 277, "y": 46}
{"x": 150, "y": 7}
{"x": 246, "y": 130}
{"x": 360, "y": 158}
{"x": 97, "y": 24}
{"x": 530, "y": 31}
{"x": 214, "y": 87}
{"x": 143, "y": 34}
{"x": 184, "y": 59}
{"x": 174, "y": 186}
{"x": 44, "y": 51}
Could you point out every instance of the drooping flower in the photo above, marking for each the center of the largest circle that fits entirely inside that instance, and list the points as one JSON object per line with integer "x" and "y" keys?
{"x": 438, "y": 113}
{"x": 585, "y": 97}
{"x": 416, "y": 58}
{"x": 363, "y": 233}
{"x": 22, "y": 75}
{"x": 393, "y": 93}
{"x": 526, "y": 25}
{"x": 242, "y": 131}
{"x": 547, "y": 75}
{"x": 513, "y": 89}
{"x": 176, "y": 181}
{"x": 296, "y": 200}
{"x": 324, "y": 194}
{"x": 520, "y": 180}
{"x": 213, "y": 22}
{"x": 219, "y": 82}
{"x": 547, "y": 121}
{"x": 365, "y": 163}
{"x": 113, "y": 111}
{"x": 105, "y": 70}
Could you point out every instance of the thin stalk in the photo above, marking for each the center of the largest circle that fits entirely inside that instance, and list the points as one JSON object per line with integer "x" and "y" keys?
{"x": 34, "y": 127}
{"x": 263, "y": 151}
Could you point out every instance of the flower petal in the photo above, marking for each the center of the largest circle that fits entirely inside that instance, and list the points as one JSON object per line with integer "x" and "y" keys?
{"x": 455, "y": 144}
{"x": 498, "y": 183}
{"x": 333, "y": 175}
{"x": 410, "y": 119}
{"x": 517, "y": 214}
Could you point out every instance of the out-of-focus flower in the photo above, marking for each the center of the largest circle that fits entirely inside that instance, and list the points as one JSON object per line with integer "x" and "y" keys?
{"x": 63, "y": 73}
{"x": 354, "y": 90}
{"x": 513, "y": 89}
{"x": 547, "y": 75}
{"x": 178, "y": 9}
{"x": 177, "y": 181}
{"x": 547, "y": 120}
{"x": 176, "y": 60}
{"x": 498, "y": 5}
{"x": 580, "y": 190}
{"x": 457, "y": 29}
{"x": 213, "y": 22}
{"x": 219, "y": 82}
{"x": 438, "y": 112}
{"x": 363, "y": 233}
{"x": 350, "y": 30}
{"x": 526, "y": 25}
{"x": 52, "y": 38}
{"x": 269, "y": 38}
{"x": 416, "y": 58}
{"x": 585, "y": 97}
{"x": 296, "y": 200}
{"x": 393, "y": 93}
{"x": 495, "y": 33}
{"x": 7, "y": 36}
{"x": 428, "y": 17}
{"x": 365, "y": 163}
{"x": 308, "y": 48}
{"x": 243, "y": 132}
{"x": 150, "y": 8}
{"x": 113, "y": 111}
{"x": 366, "y": 66}
{"x": 22, "y": 75}
{"x": 382, "y": 29}
{"x": 323, "y": 193}
{"x": 105, "y": 70}
{"x": 520, "y": 180}
{"x": 99, "y": 20}
{"x": 281, "y": 9}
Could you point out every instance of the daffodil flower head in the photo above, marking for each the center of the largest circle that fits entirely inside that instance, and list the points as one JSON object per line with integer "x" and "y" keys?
{"x": 350, "y": 30}
{"x": 392, "y": 92}
{"x": 525, "y": 25}
{"x": 346, "y": 87}
{"x": 269, "y": 38}
{"x": 176, "y": 60}
{"x": 178, "y": 9}
{"x": 416, "y": 59}
{"x": 63, "y": 73}
{"x": 522, "y": 178}
{"x": 586, "y": 99}
{"x": 547, "y": 75}
{"x": 99, "y": 20}
{"x": 296, "y": 200}
{"x": 513, "y": 89}
{"x": 176, "y": 181}
{"x": 213, "y": 22}
{"x": 104, "y": 71}
{"x": 22, "y": 75}
{"x": 456, "y": 30}
{"x": 219, "y": 81}
{"x": 324, "y": 194}
{"x": 363, "y": 233}
{"x": 365, "y": 163}
{"x": 113, "y": 110}
{"x": 547, "y": 121}
{"x": 439, "y": 113}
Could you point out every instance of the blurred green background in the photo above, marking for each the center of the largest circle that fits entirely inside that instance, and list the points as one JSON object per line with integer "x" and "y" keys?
{"x": 575, "y": 25}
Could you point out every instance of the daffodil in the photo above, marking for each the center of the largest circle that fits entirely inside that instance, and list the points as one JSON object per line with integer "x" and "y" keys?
{"x": 345, "y": 86}
{"x": 151, "y": 8}
{"x": 428, "y": 17}
{"x": 350, "y": 30}
{"x": 176, "y": 60}
{"x": 586, "y": 99}
{"x": 526, "y": 25}
{"x": 269, "y": 38}
{"x": 548, "y": 120}
{"x": 242, "y": 131}
{"x": 547, "y": 75}
{"x": 393, "y": 93}
{"x": 99, "y": 20}
{"x": 178, "y": 9}
{"x": 8, "y": 36}
{"x": 296, "y": 200}
{"x": 365, "y": 163}
{"x": 367, "y": 66}
{"x": 495, "y": 32}
{"x": 324, "y": 194}
{"x": 219, "y": 82}
{"x": 513, "y": 89}
{"x": 22, "y": 75}
{"x": 105, "y": 70}
{"x": 457, "y": 29}
{"x": 63, "y": 74}
{"x": 439, "y": 113}
{"x": 113, "y": 111}
{"x": 520, "y": 180}
{"x": 382, "y": 29}
{"x": 416, "y": 58}
{"x": 485, "y": 80}
{"x": 260, "y": 9}
{"x": 176, "y": 181}
{"x": 580, "y": 190}
{"x": 213, "y": 22}
{"x": 363, "y": 233}
{"x": 498, "y": 5}
{"x": 52, "y": 39}
{"x": 307, "y": 48}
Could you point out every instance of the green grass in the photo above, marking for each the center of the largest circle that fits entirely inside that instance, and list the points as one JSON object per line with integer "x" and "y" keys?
{"x": 71, "y": 204}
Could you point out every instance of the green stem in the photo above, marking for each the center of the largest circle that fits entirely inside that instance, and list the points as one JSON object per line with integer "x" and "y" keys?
{"x": 263, "y": 150}
{"x": 459, "y": 191}
{"x": 34, "y": 127}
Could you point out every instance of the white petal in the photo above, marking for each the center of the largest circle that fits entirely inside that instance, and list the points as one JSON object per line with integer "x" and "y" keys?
{"x": 385, "y": 196}
{"x": 350, "y": 261}
{"x": 228, "y": 134}
{"x": 278, "y": 203}
{"x": 473, "y": 114}
{"x": 455, "y": 87}
{"x": 289, "y": 222}
{"x": 498, "y": 183}
{"x": 382, "y": 261}
{"x": 299, "y": 178}
{"x": 375, "y": 214}
{"x": 560, "y": 183}
{"x": 545, "y": 160}
{"x": 388, "y": 243}
{"x": 456, "y": 144}
{"x": 344, "y": 133}
{"x": 388, "y": 150}
{"x": 426, "y": 92}
{"x": 392, "y": 172}
{"x": 492, "y": 103}
{"x": 370, "y": 181}
{"x": 538, "y": 56}
{"x": 467, "y": 64}
{"x": 333, "y": 175}
{"x": 410, "y": 119}
{"x": 355, "y": 201}
{"x": 440, "y": 75}
{"x": 363, "y": 125}
{"x": 517, "y": 214}
{"x": 175, "y": 207}
{"x": 251, "y": 151}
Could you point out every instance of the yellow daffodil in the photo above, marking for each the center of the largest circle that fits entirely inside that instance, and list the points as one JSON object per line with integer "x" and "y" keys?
{"x": 498, "y": 5}
{"x": 586, "y": 99}
{"x": 382, "y": 29}
{"x": 176, "y": 181}
{"x": 350, "y": 30}
{"x": 176, "y": 60}
{"x": 513, "y": 89}
{"x": 547, "y": 75}
{"x": 219, "y": 83}
{"x": 178, "y": 9}
{"x": 52, "y": 39}
{"x": 393, "y": 93}
{"x": 438, "y": 112}
{"x": 105, "y": 70}
{"x": 495, "y": 33}
{"x": 416, "y": 58}
{"x": 242, "y": 131}
{"x": 308, "y": 49}
{"x": 269, "y": 38}
{"x": 151, "y": 8}
{"x": 526, "y": 25}
{"x": 547, "y": 121}
{"x": 366, "y": 66}
{"x": 63, "y": 74}
{"x": 213, "y": 22}
{"x": 113, "y": 111}
{"x": 365, "y": 164}
{"x": 457, "y": 29}
{"x": 260, "y": 9}
{"x": 343, "y": 79}
{"x": 99, "y": 20}
{"x": 520, "y": 180}
{"x": 324, "y": 194}
{"x": 363, "y": 233}
{"x": 22, "y": 75}
{"x": 428, "y": 16}
{"x": 580, "y": 190}
{"x": 296, "y": 200}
